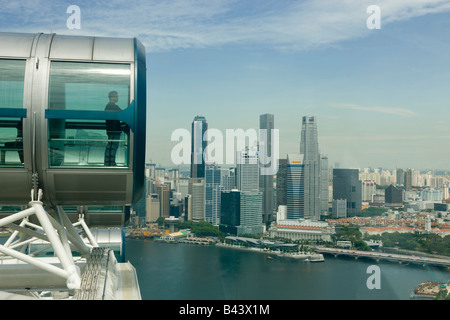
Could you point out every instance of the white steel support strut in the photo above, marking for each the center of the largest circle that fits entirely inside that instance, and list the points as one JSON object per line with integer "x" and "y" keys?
{"x": 56, "y": 235}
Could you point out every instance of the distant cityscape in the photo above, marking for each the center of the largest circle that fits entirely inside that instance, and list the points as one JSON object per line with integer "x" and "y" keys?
{"x": 305, "y": 200}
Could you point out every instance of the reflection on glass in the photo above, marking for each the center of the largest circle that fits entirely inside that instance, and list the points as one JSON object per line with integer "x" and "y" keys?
{"x": 88, "y": 87}
{"x": 12, "y": 73}
{"x": 85, "y": 86}
{"x": 11, "y": 142}
{"x": 74, "y": 143}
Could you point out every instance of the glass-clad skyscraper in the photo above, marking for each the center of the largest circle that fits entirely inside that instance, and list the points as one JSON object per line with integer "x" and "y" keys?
{"x": 346, "y": 185}
{"x": 213, "y": 188}
{"x": 316, "y": 171}
{"x": 247, "y": 170}
{"x": 295, "y": 191}
{"x": 309, "y": 147}
{"x": 266, "y": 122}
{"x": 198, "y": 146}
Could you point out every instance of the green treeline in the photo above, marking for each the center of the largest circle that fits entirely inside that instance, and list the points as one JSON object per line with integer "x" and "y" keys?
{"x": 427, "y": 243}
{"x": 200, "y": 229}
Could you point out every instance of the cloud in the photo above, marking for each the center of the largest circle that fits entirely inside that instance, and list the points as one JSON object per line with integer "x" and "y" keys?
{"x": 387, "y": 110}
{"x": 167, "y": 25}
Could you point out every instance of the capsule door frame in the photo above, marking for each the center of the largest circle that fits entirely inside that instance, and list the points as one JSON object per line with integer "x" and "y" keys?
{"x": 16, "y": 182}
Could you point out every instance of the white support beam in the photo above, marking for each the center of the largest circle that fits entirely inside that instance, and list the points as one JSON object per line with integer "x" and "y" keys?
{"x": 17, "y": 216}
{"x": 72, "y": 234}
{"x": 42, "y": 265}
{"x": 88, "y": 232}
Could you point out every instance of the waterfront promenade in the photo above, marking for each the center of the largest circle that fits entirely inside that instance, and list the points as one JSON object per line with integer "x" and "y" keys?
{"x": 439, "y": 262}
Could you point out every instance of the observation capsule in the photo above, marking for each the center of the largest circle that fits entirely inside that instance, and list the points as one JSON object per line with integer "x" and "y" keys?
{"x": 72, "y": 119}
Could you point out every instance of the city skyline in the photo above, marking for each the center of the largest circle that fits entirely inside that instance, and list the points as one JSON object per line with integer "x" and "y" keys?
{"x": 379, "y": 96}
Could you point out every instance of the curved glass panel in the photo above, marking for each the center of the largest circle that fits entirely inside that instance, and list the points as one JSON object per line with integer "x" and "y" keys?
{"x": 87, "y": 86}
{"x": 11, "y": 142}
{"x": 75, "y": 143}
{"x": 12, "y": 74}
{"x": 91, "y": 142}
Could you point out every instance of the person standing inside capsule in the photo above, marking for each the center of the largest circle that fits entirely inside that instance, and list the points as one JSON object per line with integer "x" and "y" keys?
{"x": 113, "y": 130}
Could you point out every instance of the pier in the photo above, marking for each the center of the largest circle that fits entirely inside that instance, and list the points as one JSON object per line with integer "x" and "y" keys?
{"x": 400, "y": 258}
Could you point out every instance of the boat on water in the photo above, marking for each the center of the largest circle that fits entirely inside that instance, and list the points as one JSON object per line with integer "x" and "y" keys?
{"x": 317, "y": 258}
{"x": 312, "y": 257}
{"x": 269, "y": 258}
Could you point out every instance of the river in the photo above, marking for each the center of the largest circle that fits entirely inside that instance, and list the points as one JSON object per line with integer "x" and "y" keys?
{"x": 191, "y": 272}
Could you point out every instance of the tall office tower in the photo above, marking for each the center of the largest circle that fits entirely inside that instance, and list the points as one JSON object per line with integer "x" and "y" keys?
{"x": 392, "y": 195}
{"x": 153, "y": 208}
{"x": 408, "y": 179}
{"x": 251, "y": 221}
{"x": 400, "y": 177}
{"x": 198, "y": 146}
{"x": 309, "y": 147}
{"x": 163, "y": 191}
{"x": 213, "y": 188}
{"x": 247, "y": 170}
{"x": 295, "y": 190}
{"x": 241, "y": 212}
{"x": 324, "y": 179}
{"x": 174, "y": 177}
{"x": 187, "y": 207}
{"x": 266, "y": 122}
{"x": 346, "y": 185}
{"x": 197, "y": 191}
{"x": 281, "y": 182}
{"x": 230, "y": 211}
{"x": 228, "y": 178}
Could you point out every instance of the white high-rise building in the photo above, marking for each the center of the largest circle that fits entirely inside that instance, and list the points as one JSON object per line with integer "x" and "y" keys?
{"x": 369, "y": 188}
{"x": 197, "y": 192}
{"x": 247, "y": 170}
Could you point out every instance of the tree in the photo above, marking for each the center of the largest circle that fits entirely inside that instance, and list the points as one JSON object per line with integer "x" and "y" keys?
{"x": 160, "y": 221}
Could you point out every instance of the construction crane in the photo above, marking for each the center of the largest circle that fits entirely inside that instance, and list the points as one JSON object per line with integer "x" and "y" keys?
{"x": 442, "y": 284}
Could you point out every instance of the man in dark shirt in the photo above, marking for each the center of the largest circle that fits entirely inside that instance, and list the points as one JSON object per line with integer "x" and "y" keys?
{"x": 113, "y": 130}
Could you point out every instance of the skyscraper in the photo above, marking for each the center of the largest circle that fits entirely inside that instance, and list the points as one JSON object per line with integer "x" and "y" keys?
{"x": 230, "y": 211}
{"x": 408, "y": 179}
{"x": 346, "y": 185}
{"x": 198, "y": 146}
{"x": 392, "y": 195}
{"x": 241, "y": 212}
{"x": 247, "y": 170}
{"x": 251, "y": 218}
{"x": 163, "y": 191}
{"x": 152, "y": 208}
{"x": 295, "y": 191}
{"x": 324, "y": 179}
{"x": 266, "y": 122}
{"x": 400, "y": 177}
{"x": 197, "y": 191}
{"x": 281, "y": 183}
{"x": 213, "y": 188}
{"x": 309, "y": 147}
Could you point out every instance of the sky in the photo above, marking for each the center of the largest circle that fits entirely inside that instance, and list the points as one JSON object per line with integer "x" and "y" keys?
{"x": 381, "y": 96}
